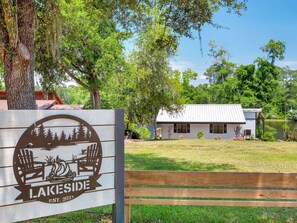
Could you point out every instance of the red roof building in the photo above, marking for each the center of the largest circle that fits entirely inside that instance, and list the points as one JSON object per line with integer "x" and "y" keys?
{"x": 44, "y": 101}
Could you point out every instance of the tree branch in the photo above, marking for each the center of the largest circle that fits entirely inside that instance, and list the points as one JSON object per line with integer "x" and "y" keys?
{"x": 72, "y": 75}
{"x": 79, "y": 69}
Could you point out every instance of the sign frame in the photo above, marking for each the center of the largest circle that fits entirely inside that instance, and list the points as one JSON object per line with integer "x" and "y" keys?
{"x": 20, "y": 139}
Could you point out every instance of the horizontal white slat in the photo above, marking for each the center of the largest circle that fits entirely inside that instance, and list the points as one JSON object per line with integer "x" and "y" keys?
{"x": 105, "y": 133}
{"x": 10, "y": 137}
{"x": 32, "y": 210}
{"x": 6, "y": 155}
{"x": 7, "y": 175}
{"x": 9, "y": 194}
{"x": 25, "y": 118}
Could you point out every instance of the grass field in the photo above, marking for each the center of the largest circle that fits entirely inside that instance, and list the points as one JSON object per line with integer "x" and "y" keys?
{"x": 201, "y": 155}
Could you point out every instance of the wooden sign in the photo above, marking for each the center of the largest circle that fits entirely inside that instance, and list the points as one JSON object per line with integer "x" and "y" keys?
{"x": 53, "y": 162}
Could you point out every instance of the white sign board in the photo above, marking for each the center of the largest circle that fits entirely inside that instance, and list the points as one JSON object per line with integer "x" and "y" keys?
{"x": 53, "y": 162}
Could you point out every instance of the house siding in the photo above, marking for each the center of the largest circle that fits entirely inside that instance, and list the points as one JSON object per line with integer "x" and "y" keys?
{"x": 168, "y": 131}
{"x": 250, "y": 122}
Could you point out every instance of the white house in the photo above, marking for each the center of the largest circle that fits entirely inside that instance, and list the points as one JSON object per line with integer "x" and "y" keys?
{"x": 214, "y": 120}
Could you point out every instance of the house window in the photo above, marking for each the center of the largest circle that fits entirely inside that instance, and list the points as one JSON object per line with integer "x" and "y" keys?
{"x": 181, "y": 128}
{"x": 218, "y": 128}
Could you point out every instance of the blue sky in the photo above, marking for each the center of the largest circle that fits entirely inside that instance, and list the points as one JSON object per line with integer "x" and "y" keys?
{"x": 263, "y": 20}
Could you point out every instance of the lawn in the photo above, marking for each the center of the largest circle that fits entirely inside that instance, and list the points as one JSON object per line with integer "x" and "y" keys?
{"x": 201, "y": 155}
{"x": 211, "y": 155}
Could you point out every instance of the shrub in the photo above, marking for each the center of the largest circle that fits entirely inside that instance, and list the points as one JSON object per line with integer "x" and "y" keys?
{"x": 200, "y": 135}
{"x": 269, "y": 134}
{"x": 292, "y": 115}
{"x": 143, "y": 132}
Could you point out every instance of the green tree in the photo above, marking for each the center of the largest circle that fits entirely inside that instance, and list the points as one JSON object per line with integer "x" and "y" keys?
{"x": 266, "y": 85}
{"x": 188, "y": 91}
{"x": 221, "y": 68}
{"x": 91, "y": 47}
{"x": 17, "y": 32}
{"x": 203, "y": 94}
{"x": 274, "y": 49}
{"x": 288, "y": 89}
{"x": 74, "y": 95}
{"x": 246, "y": 86}
{"x": 157, "y": 87}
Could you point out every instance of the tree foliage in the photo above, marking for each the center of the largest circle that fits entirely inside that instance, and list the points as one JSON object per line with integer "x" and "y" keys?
{"x": 261, "y": 84}
{"x": 156, "y": 85}
{"x": 91, "y": 47}
{"x": 274, "y": 49}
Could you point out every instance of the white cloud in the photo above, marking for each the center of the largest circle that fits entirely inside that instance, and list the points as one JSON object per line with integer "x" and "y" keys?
{"x": 290, "y": 63}
{"x": 181, "y": 65}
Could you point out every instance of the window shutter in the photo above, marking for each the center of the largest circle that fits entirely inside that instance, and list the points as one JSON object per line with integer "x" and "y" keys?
{"x": 175, "y": 130}
{"x": 210, "y": 128}
{"x": 188, "y": 128}
{"x": 225, "y": 128}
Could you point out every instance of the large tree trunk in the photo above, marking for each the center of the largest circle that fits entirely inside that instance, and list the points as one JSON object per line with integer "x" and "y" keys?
{"x": 19, "y": 56}
{"x": 95, "y": 99}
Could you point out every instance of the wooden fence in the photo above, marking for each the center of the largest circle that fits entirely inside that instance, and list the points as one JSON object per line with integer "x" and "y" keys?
{"x": 210, "y": 189}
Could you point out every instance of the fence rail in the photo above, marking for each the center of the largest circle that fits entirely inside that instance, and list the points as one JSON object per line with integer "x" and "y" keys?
{"x": 210, "y": 189}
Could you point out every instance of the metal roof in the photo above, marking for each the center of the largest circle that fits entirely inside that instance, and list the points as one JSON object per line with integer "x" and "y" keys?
{"x": 205, "y": 113}
{"x": 252, "y": 110}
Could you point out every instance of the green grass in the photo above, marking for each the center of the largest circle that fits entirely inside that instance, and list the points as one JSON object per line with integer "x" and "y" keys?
{"x": 201, "y": 155}
{"x": 212, "y": 155}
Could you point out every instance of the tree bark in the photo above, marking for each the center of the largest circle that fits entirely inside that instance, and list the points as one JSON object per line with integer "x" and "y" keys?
{"x": 18, "y": 56}
{"x": 95, "y": 99}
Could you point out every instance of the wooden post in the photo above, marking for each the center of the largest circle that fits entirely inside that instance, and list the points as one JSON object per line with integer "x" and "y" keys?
{"x": 127, "y": 208}
{"x": 127, "y": 213}
{"x": 118, "y": 207}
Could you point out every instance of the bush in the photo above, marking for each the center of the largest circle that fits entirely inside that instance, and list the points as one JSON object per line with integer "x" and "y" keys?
{"x": 143, "y": 132}
{"x": 269, "y": 134}
{"x": 200, "y": 135}
{"x": 292, "y": 115}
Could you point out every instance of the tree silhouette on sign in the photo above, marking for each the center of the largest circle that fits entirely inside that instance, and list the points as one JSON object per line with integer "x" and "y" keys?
{"x": 69, "y": 139}
{"x": 74, "y": 135}
{"x": 41, "y": 135}
{"x": 81, "y": 136}
{"x": 63, "y": 139}
{"x": 49, "y": 137}
{"x": 56, "y": 140}
{"x": 88, "y": 135}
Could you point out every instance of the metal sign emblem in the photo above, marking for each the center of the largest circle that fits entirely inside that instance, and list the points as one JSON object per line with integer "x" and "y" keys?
{"x": 57, "y": 159}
